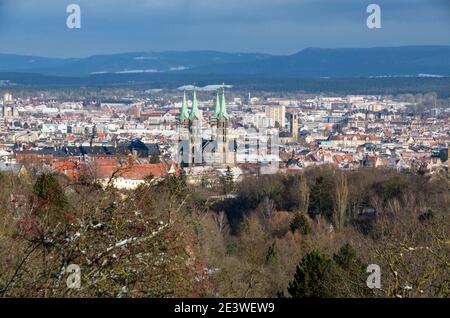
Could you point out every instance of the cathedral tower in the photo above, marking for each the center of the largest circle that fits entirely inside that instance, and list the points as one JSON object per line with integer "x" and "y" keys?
{"x": 222, "y": 138}
{"x": 195, "y": 133}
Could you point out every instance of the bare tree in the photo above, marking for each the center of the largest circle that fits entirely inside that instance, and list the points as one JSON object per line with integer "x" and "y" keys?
{"x": 221, "y": 222}
{"x": 303, "y": 195}
{"x": 340, "y": 200}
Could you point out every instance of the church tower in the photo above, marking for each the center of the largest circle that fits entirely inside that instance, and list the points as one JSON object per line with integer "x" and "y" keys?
{"x": 222, "y": 138}
{"x": 183, "y": 134}
{"x": 213, "y": 121}
{"x": 184, "y": 113}
{"x": 293, "y": 126}
{"x": 195, "y": 133}
{"x": 193, "y": 149}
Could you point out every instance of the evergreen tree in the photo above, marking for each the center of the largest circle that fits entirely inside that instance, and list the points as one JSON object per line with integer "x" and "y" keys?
{"x": 351, "y": 272}
{"x": 49, "y": 191}
{"x": 272, "y": 252}
{"x": 321, "y": 201}
{"x": 313, "y": 277}
{"x": 347, "y": 259}
{"x": 51, "y": 200}
{"x": 443, "y": 155}
{"x": 426, "y": 216}
{"x": 301, "y": 224}
{"x": 175, "y": 184}
{"x": 228, "y": 181}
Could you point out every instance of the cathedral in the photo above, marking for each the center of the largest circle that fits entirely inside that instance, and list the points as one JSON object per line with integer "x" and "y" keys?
{"x": 203, "y": 144}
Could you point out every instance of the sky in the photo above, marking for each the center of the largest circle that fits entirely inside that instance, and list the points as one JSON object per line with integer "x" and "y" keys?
{"x": 38, "y": 27}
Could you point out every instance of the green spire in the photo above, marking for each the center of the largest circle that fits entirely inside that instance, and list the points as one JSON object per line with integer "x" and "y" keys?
{"x": 217, "y": 109}
{"x": 195, "y": 112}
{"x": 184, "y": 114}
{"x": 223, "y": 107}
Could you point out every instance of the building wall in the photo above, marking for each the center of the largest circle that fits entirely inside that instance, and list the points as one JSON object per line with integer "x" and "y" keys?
{"x": 276, "y": 114}
{"x": 294, "y": 127}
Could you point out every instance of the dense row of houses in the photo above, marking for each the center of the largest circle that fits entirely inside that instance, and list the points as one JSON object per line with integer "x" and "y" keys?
{"x": 125, "y": 166}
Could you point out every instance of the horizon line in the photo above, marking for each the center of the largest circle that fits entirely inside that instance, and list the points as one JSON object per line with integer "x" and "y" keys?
{"x": 226, "y": 52}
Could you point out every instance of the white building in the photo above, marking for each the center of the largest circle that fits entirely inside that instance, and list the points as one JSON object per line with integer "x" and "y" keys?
{"x": 7, "y": 98}
{"x": 277, "y": 115}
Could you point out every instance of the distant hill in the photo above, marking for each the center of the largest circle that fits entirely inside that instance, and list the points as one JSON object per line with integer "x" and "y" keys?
{"x": 385, "y": 70}
{"x": 311, "y": 62}
{"x": 315, "y": 62}
{"x": 128, "y": 63}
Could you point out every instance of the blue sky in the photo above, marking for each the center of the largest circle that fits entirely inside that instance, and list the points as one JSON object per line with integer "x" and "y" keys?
{"x": 38, "y": 27}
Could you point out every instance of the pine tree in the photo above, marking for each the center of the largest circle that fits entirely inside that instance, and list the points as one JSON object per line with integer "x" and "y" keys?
{"x": 228, "y": 181}
{"x": 313, "y": 277}
{"x": 347, "y": 259}
{"x": 301, "y": 224}
{"x": 49, "y": 192}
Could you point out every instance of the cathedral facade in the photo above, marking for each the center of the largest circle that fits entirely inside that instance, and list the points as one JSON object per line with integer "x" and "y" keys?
{"x": 201, "y": 143}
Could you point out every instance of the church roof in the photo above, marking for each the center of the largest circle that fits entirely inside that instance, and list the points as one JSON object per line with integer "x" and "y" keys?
{"x": 195, "y": 112}
{"x": 223, "y": 107}
{"x": 217, "y": 109}
{"x": 184, "y": 113}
